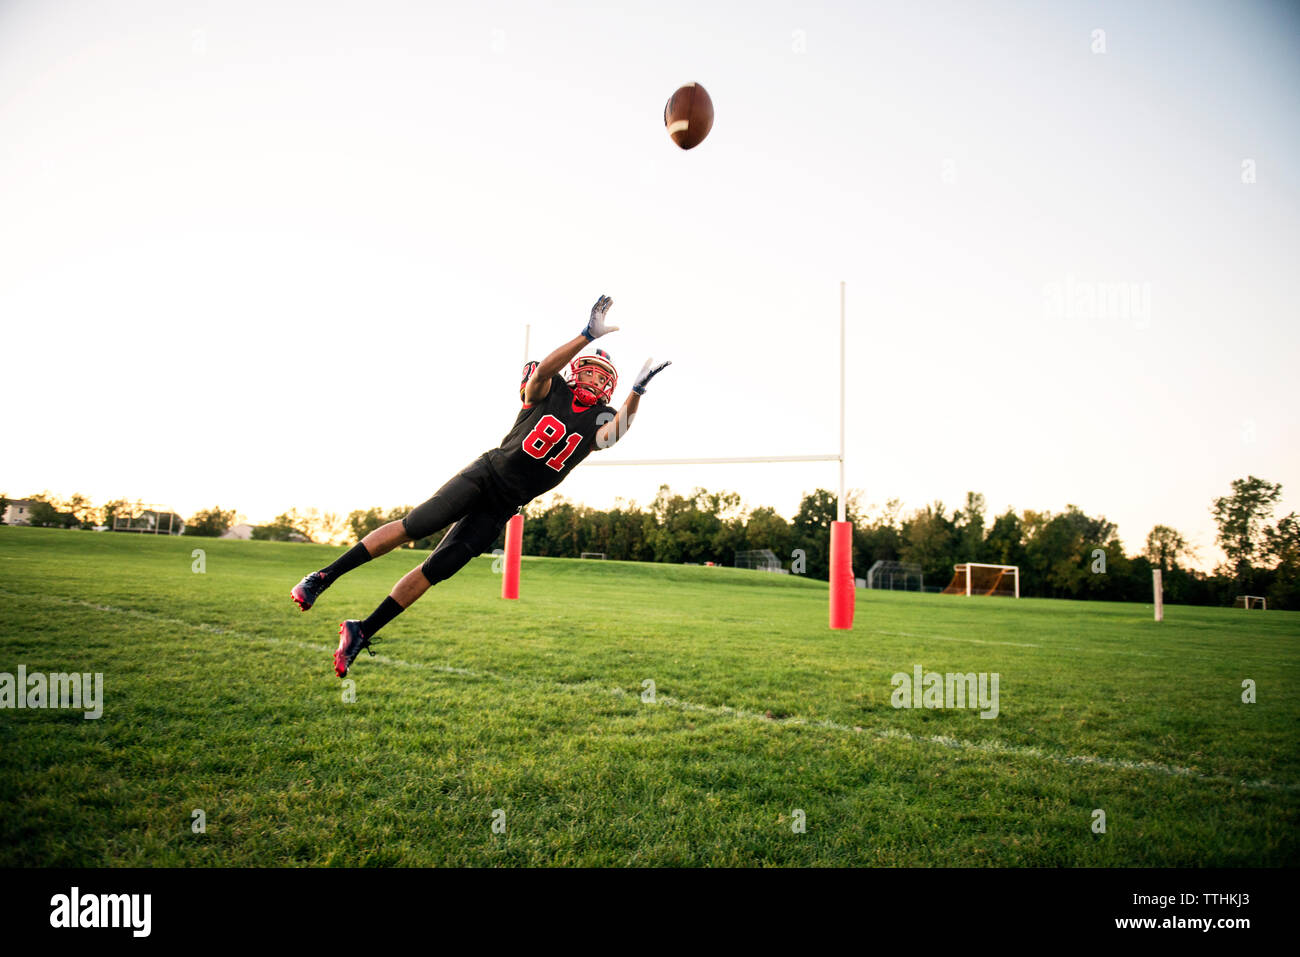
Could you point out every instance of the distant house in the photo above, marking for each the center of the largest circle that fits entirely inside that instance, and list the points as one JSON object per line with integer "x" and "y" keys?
{"x": 18, "y": 512}
{"x": 243, "y": 531}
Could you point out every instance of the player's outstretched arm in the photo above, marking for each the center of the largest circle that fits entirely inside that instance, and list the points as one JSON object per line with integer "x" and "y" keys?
{"x": 618, "y": 426}
{"x": 539, "y": 386}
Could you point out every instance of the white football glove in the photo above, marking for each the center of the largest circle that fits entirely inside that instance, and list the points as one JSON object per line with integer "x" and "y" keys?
{"x": 596, "y": 325}
{"x": 646, "y": 374}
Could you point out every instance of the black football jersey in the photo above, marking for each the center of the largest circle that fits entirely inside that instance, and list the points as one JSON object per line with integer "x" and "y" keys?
{"x": 547, "y": 440}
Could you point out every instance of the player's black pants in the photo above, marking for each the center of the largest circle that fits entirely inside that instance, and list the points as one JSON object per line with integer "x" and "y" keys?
{"x": 472, "y": 500}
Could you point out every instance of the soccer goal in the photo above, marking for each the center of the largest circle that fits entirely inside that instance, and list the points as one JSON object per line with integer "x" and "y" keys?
{"x": 599, "y": 556}
{"x": 976, "y": 578}
{"x": 762, "y": 559}
{"x": 895, "y": 576}
{"x": 1251, "y": 601}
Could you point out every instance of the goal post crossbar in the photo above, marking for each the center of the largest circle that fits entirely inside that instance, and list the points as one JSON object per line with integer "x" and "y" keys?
{"x": 965, "y": 567}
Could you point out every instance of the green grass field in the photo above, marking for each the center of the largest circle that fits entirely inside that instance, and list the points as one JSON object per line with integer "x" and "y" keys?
{"x": 219, "y": 695}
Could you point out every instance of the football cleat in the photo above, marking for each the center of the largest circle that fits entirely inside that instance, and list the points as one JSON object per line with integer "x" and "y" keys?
{"x": 586, "y": 395}
{"x": 308, "y": 590}
{"x": 351, "y": 641}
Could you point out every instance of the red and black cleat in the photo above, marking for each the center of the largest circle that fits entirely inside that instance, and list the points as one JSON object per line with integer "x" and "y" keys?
{"x": 308, "y": 590}
{"x": 351, "y": 641}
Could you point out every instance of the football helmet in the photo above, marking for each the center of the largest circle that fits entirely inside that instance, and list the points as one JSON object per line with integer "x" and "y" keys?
{"x": 584, "y": 393}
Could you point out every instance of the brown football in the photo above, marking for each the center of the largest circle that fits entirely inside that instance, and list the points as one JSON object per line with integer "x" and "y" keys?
{"x": 689, "y": 116}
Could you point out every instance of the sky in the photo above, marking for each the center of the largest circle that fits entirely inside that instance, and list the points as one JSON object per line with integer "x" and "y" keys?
{"x": 274, "y": 255}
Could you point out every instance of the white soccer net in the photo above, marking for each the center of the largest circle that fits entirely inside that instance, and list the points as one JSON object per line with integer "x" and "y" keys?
{"x": 599, "y": 556}
{"x": 1251, "y": 601}
{"x": 975, "y": 578}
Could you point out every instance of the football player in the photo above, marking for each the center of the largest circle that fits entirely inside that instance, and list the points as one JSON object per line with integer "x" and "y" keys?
{"x": 563, "y": 419}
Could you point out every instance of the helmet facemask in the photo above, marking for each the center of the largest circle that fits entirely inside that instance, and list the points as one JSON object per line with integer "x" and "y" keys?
{"x": 587, "y": 394}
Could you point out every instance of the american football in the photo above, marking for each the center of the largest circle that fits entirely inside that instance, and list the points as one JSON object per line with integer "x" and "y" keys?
{"x": 688, "y": 115}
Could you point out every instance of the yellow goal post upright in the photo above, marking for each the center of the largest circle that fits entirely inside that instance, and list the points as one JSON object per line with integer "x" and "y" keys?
{"x": 842, "y": 582}
{"x": 980, "y": 578}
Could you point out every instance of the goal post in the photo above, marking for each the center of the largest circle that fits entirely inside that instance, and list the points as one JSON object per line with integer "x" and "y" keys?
{"x": 1251, "y": 601}
{"x": 980, "y": 578}
{"x": 841, "y": 584}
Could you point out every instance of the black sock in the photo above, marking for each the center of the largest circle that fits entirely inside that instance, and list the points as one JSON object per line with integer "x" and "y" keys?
{"x": 354, "y": 556}
{"x": 386, "y": 612}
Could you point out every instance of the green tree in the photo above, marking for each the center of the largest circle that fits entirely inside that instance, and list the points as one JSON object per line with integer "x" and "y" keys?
{"x": 764, "y": 528}
{"x": 562, "y": 529}
{"x": 285, "y": 528}
{"x": 1241, "y": 518}
{"x": 1004, "y": 544}
{"x": 43, "y": 514}
{"x": 1164, "y": 547}
{"x": 210, "y": 523}
{"x": 1061, "y": 554}
{"x": 331, "y": 528}
{"x": 1282, "y": 547}
{"x": 811, "y": 527}
{"x": 969, "y": 524}
{"x": 110, "y": 510}
{"x": 877, "y": 536}
{"x": 728, "y": 535}
{"x": 930, "y": 540}
{"x": 81, "y": 511}
{"x": 4, "y": 506}
{"x": 47, "y": 511}
{"x": 627, "y": 533}
{"x": 363, "y": 523}
{"x": 685, "y": 526}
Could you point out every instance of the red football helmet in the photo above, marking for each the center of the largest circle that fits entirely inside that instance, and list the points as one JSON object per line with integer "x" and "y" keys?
{"x": 583, "y": 393}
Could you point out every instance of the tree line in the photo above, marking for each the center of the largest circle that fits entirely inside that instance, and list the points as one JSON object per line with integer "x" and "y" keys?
{"x": 1066, "y": 554}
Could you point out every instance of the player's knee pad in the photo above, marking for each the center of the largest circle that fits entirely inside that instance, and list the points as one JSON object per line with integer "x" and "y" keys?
{"x": 442, "y": 563}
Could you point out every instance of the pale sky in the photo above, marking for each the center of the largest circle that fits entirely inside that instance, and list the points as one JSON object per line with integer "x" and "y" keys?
{"x": 271, "y": 255}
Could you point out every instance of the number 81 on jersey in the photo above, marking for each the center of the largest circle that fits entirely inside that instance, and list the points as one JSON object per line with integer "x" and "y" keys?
{"x": 545, "y": 436}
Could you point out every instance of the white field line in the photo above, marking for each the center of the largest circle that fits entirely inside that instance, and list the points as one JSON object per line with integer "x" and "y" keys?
{"x": 1095, "y": 649}
{"x": 973, "y": 641}
{"x": 991, "y": 746}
